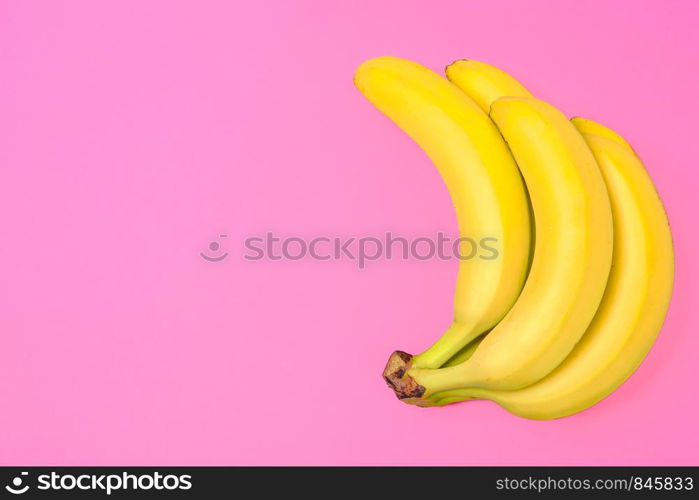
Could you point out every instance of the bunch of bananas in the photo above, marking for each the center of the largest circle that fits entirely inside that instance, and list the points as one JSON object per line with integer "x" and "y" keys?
{"x": 584, "y": 276}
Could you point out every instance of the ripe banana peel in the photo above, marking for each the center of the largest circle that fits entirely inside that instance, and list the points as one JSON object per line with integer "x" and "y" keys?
{"x": 482, "y": 178}
{"x": 601, "y": 272}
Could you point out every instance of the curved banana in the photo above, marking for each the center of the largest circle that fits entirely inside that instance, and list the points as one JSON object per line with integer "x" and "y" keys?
{"x": 633, "y": 307}
{"x": 572, "y": 257}
{"x": 484, "y": 83}
{"x": 482, "y": 178}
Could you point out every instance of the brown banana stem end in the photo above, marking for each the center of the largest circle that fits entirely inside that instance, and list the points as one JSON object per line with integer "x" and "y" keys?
{"x": 395, "y": 375}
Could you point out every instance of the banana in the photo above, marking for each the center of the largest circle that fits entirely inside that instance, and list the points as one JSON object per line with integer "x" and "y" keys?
{"x": 484, "y": 83}
{"x": 570, "y": 266}
{"x": 632, "y": 310}
{"x": 484, "y": 183}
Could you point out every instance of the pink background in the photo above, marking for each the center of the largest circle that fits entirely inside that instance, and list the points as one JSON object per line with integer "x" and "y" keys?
{"x": 133, "y": 133}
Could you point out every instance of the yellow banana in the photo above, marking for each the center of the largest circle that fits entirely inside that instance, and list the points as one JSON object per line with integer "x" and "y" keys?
{"x": 482, "y": 178}
{"x": 633, "y": 307}
{"x": 570, "y": 266}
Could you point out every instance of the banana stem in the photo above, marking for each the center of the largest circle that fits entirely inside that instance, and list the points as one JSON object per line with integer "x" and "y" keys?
{"x": 404, "y": 386}
{"x": 466, "y": 352}
{"x": 448, "y": 345}
{"x": 395, "y": 376}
